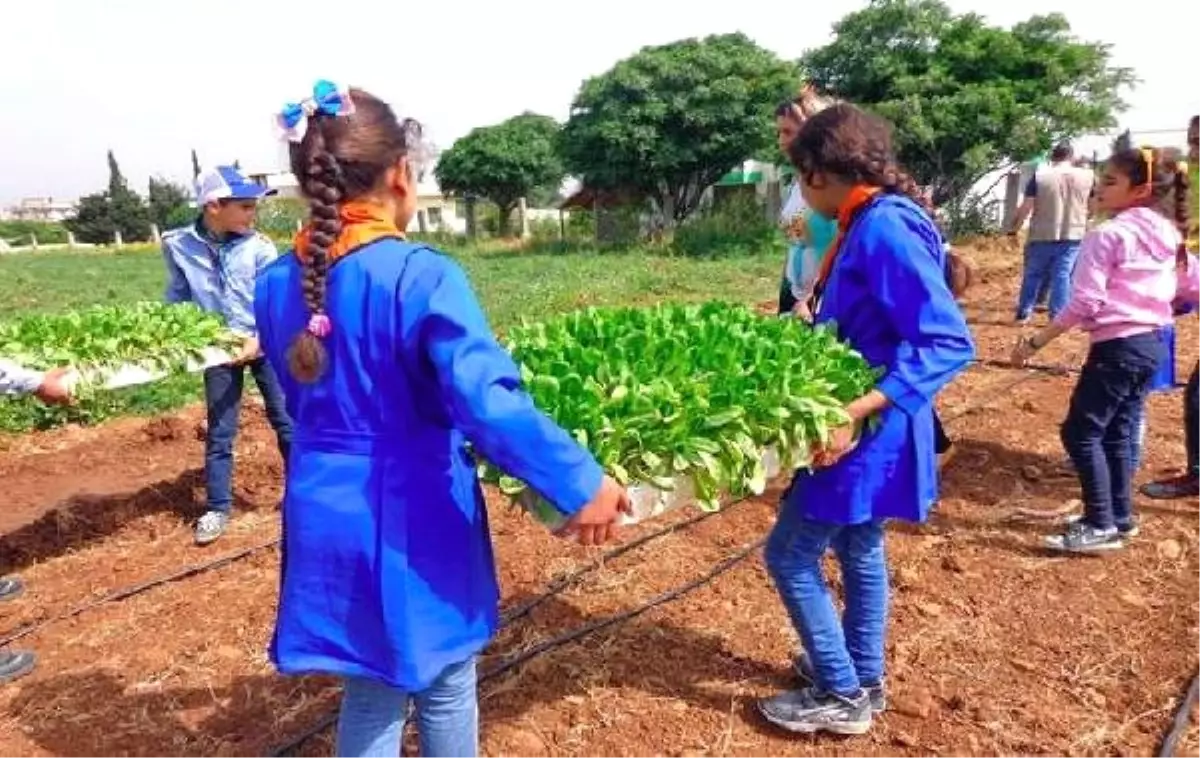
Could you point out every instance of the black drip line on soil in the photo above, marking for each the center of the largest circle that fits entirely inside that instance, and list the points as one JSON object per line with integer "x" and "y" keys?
{"x": 137, "y": 589}
{"x": 1179, "y": 724}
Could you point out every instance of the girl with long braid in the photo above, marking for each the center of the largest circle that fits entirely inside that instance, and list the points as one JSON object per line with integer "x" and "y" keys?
{"x": 390, "y": 371}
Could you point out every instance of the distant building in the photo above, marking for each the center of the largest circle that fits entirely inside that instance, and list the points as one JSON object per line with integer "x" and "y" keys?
{"x": 44, "y": 209}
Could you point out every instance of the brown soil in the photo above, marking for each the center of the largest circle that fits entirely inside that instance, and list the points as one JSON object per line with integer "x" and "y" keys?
{"x": 995, "y": 647}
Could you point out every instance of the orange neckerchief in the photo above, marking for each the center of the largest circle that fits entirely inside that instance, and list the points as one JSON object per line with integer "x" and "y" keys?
{"x": 363, "y": 222}
{"x": 860, "y": 195}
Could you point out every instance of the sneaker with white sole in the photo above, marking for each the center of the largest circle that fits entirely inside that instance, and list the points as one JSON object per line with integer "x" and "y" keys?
{"x": 807, "y": 676}
{"x": 808, "y": 710}
{"x": 11, "y": 588}
{"x": 15, "y": 664}
{"x": 1127, "y": 531}
{"x": 1082, "y": 537}
{"x": 211, "y": 526}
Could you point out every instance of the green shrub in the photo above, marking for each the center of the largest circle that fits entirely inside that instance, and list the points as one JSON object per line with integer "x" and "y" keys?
{"x": 278, "y": 216}
{"x": 737, "y": 226}
{"x": 19, "y": 233}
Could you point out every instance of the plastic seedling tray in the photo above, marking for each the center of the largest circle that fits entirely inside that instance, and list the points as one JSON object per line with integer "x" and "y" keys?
{"x": 648, "y": 501}
{"x": 132, "y": 374}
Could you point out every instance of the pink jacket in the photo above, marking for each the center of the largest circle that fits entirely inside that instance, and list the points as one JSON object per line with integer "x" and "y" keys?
{"x": 1126, "y": 281}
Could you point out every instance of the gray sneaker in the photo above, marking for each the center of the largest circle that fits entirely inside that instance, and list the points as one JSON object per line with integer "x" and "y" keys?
{"x": 808, "y": 711}
{"x": 14, "y": 665}
{"x": 211, "y": 526}
{"x": 1127, "y": 531}
{"x": 803, "y": 667}
{"x": 1082, "y": 537}
{"x": 11, "y": 588}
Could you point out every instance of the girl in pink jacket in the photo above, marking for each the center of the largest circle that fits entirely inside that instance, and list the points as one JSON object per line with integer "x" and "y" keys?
{"x": 1131, "y": 272}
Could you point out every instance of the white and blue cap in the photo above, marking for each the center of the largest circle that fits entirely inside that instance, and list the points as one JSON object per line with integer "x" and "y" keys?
{"x": 228, "y": 183}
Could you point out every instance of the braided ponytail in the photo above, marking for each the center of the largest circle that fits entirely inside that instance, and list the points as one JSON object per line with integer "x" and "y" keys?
{"x": 323, "y": 185}
{"x": 350, "y": 140}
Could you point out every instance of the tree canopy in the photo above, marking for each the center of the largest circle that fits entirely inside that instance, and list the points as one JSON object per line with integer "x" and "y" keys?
{"x": 504, "y": 162}
{"x": 99, "y": 216}
{"x": 671, "y": 120}
{"x": 168, "y": 203}
{"x": 967, "y": 97}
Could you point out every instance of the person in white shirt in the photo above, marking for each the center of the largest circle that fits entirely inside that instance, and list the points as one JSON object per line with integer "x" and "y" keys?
{"x": 809, "y": 234}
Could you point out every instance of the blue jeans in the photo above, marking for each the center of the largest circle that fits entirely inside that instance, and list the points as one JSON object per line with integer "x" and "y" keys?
{"x": 371, "y": 722}
{"x": 1099, "y": 430}
{"x": 1138, "y": 442}
{"x": 846, "y": 654}
{"x": 223, "y": 386}
{"x": 1050, "y": 262}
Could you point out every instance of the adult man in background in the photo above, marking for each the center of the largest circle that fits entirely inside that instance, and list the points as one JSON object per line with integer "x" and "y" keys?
{"x": 51, "y": 387}
{"x": 1056, "y": 204}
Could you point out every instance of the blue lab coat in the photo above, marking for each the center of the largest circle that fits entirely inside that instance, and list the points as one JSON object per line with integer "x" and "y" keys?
{"x": 388, "y": 570}
{"x": 888, "y": 296}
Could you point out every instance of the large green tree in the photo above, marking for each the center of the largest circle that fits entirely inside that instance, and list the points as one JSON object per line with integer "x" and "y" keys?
{"x": 503, "y": 163}
{"x": 169, "y": 204}
{"x": 668, "y": 122}
{"x": 968, "y": 98}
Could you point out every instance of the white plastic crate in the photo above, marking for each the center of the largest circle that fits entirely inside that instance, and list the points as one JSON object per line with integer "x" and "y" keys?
{"x": 647, "y": 501}
{"x": 132, "y": 374}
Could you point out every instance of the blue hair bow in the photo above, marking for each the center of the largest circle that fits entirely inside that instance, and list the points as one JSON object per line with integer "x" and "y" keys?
{"x": 327, "y": 99}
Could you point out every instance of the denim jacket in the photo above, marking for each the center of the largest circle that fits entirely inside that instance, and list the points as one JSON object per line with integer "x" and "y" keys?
{"x": 217, "y": 275}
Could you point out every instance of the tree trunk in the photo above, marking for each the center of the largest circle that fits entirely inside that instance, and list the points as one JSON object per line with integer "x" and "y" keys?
{"x": 505, "y": 220}
{"x": 471, "y": 207}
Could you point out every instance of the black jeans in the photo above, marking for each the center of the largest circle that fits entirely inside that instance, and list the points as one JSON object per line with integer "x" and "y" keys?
{"x": 1100, "y": 424}
{"x": 1191, "y": 419}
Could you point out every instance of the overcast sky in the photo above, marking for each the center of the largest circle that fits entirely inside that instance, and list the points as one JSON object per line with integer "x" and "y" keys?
{"x": 153, "y": 79}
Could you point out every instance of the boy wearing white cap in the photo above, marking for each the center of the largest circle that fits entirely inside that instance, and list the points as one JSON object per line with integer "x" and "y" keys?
{"x": 213, "y": 263}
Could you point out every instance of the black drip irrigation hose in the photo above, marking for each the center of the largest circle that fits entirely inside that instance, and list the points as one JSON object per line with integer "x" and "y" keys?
{"x": 556, "y": 587}
{"x": 137, "y": 589}
{"x": 329, "y": 719}
{"x": 1179, "y": 724}
{"x": 561, "y": 583}
{"x": 1044, "y": 368}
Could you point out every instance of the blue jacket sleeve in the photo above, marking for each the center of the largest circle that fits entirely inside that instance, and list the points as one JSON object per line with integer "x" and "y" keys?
{"x": 177, "y": 290}
{"x": 481, "y": 385}
{"x": 907, "y": 276}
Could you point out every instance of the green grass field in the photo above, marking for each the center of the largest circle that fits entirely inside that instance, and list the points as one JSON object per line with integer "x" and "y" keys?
{"x": 511, "y": 284}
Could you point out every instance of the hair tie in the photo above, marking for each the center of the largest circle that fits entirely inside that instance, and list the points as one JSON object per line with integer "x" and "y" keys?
{"x": 327, "y": 99}
{"x": 319, "y": 325}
